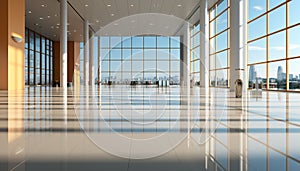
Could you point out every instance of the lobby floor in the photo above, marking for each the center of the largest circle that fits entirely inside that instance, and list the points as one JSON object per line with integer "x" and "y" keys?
{"x": 147, "y": 128}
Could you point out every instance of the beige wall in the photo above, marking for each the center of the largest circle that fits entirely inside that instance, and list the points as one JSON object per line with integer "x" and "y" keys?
{"x": 12, "y": 13}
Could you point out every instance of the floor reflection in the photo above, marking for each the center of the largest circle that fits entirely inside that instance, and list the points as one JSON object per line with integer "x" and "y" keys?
{"x": 118, "y": 127}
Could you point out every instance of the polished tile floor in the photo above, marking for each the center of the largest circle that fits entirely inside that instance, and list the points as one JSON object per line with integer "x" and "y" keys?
{"x": 148, "y": 128}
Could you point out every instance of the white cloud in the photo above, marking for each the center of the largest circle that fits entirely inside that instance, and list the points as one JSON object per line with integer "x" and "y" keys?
{"x": 259, "y": 8}
{"x": 256, "y": 48}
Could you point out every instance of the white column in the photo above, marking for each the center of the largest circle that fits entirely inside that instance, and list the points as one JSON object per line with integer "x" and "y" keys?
{"x": 204, "y": 44}
{"x": 91, "y": 60}
{"x": 237, "y": 42}
{"x": 86, "y": 52}
{"x": 99, "y": 59}
{"x": 63, "y": 44}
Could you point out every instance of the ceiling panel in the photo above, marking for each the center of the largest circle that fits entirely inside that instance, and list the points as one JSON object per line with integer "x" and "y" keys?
{"x": 101, "y": 13}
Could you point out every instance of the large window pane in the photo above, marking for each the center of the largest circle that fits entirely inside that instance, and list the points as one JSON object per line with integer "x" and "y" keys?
{"x": 221, "y": 60}
{"x": 294, "y": 41}
{"x": 163, "y": 54}
{"x": 163, "y": 42}
{"x": 294, "y": 12}
{"x": 222, "y": 79}
{"x": 115, "y": 42}
{"x": 277, "y": 46}
{"x": 104, "y": 42}
{"x": 222, "y": 5}
{"x": 115, "y": 54}
{"x": 277, "y": 19}
{"x": 137, "y": 42}
{"x": 257, "y": 51}
{"x": 294, "y": 74}
{"x": 257, "y": 28}
{"x": 277, "y": 75}
{"x": 259, "y": 72}
{"x": 274, "y": 3}
{"x": 150, "y": 54}
{"x": 256, "y": 8}
{"x": 222, "y": 41}
{"x": 150, "y": 42}
{"x": 222, "y": 22}
{"x": 126, "y": 42}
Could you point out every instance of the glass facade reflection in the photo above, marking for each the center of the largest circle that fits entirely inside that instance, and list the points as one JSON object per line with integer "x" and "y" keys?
{"x": 144, "y": 59}
{"x": 38, "y": 59}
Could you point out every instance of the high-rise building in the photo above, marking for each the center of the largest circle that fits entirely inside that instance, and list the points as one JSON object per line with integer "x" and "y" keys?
{"x": 291, "y": 76}
{"x": 279, "y": 73}
{"x": 252, "y": 73}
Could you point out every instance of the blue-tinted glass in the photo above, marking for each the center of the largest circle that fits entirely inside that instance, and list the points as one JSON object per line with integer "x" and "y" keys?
{"x": 277, "y": 46}
{"x": 105, "y": 66}
{"x": 137, "y": 54}
{"x": 221, "y": 60}
{"x": 31, "y": 40}
{"x": 294, "y": 41}
{"x": 162, "y": 42}
{"x": 175, "y": 66}
{"x": 175, "y": 54}
{"x": 137, "y": 42}
{"x": 150, "y": 42}
{"x": 257, "y": 51}
{"x": 256, "y": 8}
{"x": 222, "y": 22}
{"x": 115, "y": 54}
{"x": 274, "y": 3}
{"x": 196, "y": 40}
{"x": 104, "y": 54}
{"x": 26, "y": 38}
{"x": 221, "y": 6}
{"x": 163, "y": 66}
{"x": 37, "y": 42}
{"x": 257, "y": 28}
{"x": 294, "y": 12}
{"x": 115, "y": 42}
{"x": 163, "y": 54}
{"x": 115, "y": 66}
{"x": 197, "y": 28}
{"x": 175, "y": 42}
{"x": 104, "y": 42}
{"x": 37, "y": 60}
{"x": 222, "y": 41}
{"x": 126, "y": 42}
{"x": 277, "y": 19}
{"x": 126, "y": 54}
{"x": 150, "y": 54}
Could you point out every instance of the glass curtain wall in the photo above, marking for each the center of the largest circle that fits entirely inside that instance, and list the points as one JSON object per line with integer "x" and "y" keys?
{"x": 38, "y": 59}
{"x": 274, "y": 44}
{"x": 219, "y": 44}
{"x": 195, "y": 52}
{"x": 144, "y": 59}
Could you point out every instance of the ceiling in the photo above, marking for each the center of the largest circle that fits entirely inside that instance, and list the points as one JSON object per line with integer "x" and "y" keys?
{"x": 43, "y": 16}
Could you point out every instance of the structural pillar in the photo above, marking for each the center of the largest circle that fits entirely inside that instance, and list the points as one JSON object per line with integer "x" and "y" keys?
{"x": 204, "y": 42}
{"x": 86, "y": 53}
{"x": 185, "y": 56}
{"x": 237, "y": 42}
{"x": 63, "y": 44}
{"x": 91, "y": 60}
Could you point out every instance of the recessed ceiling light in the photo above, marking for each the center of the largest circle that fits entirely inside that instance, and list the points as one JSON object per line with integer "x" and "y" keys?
{"x": 43, "y": 5}
{"x": 74, "y": 31}
{"x": 48, "y": 16}
{"x": 54, "y": 35}
{"x": 52, "y": 27}
{"x": 36, "y": 24}
{"x": 131, "y": 5}
{"x": 57, "y": 27}
{"x": 132, "y": 21}
{"x": 41, "y": 18}
{"x": 108, "y": 5}
{"x": 81, "y": 35}
{"x": 151, "y": 24}
{"x": 29, "y": 12}
{"x": 179, "y": 5}
{"x": 68, "y": 24}
{"x": 55, "y": 15}
{"x": 86, "y": 5}
{"x": 58, "y": 24}
{"x": 112, "y": 15}
{"x": 68, "y": 31}
{"x": 116, "y": 24}
{"x": 97, "y": 21}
